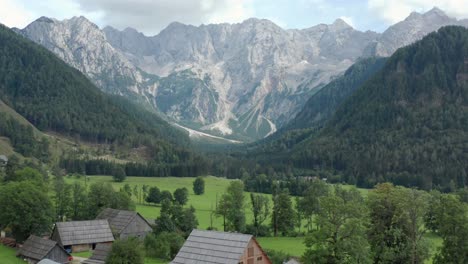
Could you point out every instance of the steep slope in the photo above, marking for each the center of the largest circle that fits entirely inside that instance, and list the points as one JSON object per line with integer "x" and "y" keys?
{"x": 322, "y": 105}
{"x": 408, "y": 124}
{"x": 18, "y": 136}
{"x": 55, "y": 97}
{"x": 319, "y": 108}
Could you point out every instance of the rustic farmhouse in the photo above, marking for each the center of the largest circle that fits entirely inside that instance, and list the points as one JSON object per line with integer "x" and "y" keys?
{"x": 79, "y": 236}
{"x": 126, "y": 223}
{"x": 99, "y": 255}
{"x": 220, "y": 247}
{"x": 36, "y": 249}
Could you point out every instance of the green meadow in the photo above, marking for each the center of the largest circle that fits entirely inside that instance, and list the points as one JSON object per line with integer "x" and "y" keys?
{"x": 8, "y": 256}
{"x": 205, "y": 205}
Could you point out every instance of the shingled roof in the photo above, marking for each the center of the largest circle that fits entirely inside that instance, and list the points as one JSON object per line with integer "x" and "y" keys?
{"x": 99, "y": 255}
{"x": 84, "y": 232}
{"x": 36, "y": 248}
{"x": 118, "y": 219}
{"x": 212, "y": 247}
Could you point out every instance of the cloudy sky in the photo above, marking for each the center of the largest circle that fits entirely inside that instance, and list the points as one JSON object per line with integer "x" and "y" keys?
{"x": 151, "y": 16}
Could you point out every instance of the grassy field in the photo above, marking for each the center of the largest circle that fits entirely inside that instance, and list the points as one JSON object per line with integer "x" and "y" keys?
{"x": 8, "y": 256}
{"x": 205, "y": 204}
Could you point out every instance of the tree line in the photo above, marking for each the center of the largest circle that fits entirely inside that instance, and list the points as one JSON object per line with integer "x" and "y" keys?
{"x": 340, "y": 225}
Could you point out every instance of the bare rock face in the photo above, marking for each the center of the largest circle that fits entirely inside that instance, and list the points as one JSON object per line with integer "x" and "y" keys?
{"x": 84, "y": 46}
{"x": 240, "y": 80}
{"x": 257, "y": 74}
{"x": 412, "y": 29}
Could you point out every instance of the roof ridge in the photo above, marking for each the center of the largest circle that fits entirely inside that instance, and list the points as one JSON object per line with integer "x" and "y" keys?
{"x": 221, "y": 232}
{"x": 81, "y": 221}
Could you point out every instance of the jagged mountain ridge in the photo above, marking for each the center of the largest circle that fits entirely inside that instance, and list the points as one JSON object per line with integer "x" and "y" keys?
{"x": 260, "y": 73}
{"x": 243, "y": 80}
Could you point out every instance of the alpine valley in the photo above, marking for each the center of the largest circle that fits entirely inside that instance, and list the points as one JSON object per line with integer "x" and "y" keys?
{"x": 238, "y": 81}
{"x": 233, "y": 143}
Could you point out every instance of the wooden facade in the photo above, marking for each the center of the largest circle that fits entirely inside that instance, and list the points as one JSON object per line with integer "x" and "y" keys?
{"x": 36, "y": 249}
{"x": 254, "y": 254}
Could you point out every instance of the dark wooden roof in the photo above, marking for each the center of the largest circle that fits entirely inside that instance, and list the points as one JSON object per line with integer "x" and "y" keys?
{"x": 99, "y": 255}
{"x": 37, "y": 248}
{"x": 212, "y": 247}
{"x": 119, "y": 219}
{"x": 84, "y": 232}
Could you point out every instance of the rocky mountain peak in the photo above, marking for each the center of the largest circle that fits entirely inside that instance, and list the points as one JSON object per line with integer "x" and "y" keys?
{"x": 414, "y": 16}
{"x": 81, "y": 44}
{"x": 413, "y": 28}
{"x": 435, "y": 11}
{"x": 44, "y": 19}
{"x": 340, "y": 24}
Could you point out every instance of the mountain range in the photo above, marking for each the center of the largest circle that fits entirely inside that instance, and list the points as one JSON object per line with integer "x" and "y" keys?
{"x": 241, "y": 81}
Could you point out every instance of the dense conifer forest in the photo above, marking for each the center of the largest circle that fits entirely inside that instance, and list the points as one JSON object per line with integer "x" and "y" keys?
{"x": 55, "y": 97}
{"x": 407, "y": 124}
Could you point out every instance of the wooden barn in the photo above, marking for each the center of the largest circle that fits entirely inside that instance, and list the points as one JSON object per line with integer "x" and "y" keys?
{"x": 79, "y": 236}
{"x": 36, "y": 249}
{"x": 220, "y": 248}
{"x": 126, "y": 223}
{"x": 99, "y": 255}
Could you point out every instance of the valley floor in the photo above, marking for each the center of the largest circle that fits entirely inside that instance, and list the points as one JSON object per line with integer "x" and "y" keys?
{"x": 204, "y": 205}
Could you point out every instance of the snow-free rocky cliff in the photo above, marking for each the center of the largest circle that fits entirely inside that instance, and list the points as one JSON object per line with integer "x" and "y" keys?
{"x": 237, "y": 80}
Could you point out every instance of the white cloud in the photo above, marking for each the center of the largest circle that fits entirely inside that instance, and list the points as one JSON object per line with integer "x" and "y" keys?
{"x": 231, "y": 11}
{"x": 14, "y": 14}
{"x": 150, "y": 16}
{"x": 397, "y": 10}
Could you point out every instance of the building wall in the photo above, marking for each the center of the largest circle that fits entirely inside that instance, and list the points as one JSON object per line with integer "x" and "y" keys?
{"x": 137, "y": 228}
{"x": 57, "y": 254}
{"x": 56, "y": 237}
{"x": 81, "y": 248}
{"x": 253, "y": 254}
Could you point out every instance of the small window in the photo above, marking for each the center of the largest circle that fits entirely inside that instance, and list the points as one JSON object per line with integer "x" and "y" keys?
{"x": 241, "y": 262}
{"x": 251, "y": 252}
{"x": 259, "y": 258}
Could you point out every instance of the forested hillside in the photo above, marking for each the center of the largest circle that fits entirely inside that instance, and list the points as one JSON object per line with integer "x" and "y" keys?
{"x": 55, "y": 97}
{"x": 407, "y": 125}
{"x": 321, "y": 107}
{"x": 21, "y": 136}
